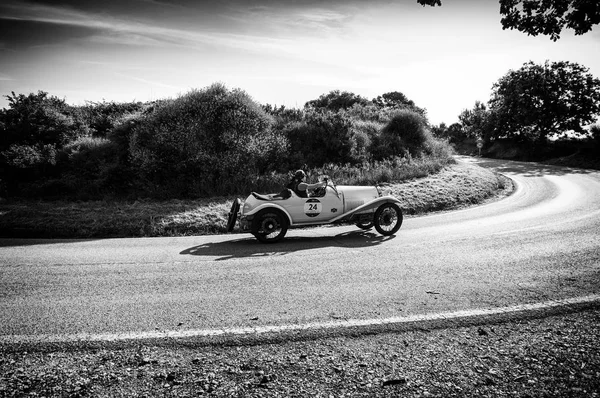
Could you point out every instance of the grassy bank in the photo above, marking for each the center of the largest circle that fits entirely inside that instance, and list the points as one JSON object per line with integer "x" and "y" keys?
{"x": 454, "y": 186}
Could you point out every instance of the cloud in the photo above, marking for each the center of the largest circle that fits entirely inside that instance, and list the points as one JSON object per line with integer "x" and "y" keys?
{"x": 106, "y": 28}
{"x": 293, "y": 18}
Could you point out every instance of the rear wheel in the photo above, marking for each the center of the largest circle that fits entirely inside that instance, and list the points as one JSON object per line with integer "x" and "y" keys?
{"x": 388, "y": 219}
{"x": 235, "y": 207}
{"x": 269, "y": 226}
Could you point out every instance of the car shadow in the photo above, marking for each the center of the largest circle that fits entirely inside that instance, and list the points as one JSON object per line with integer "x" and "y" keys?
{"x": 250, "y": 247}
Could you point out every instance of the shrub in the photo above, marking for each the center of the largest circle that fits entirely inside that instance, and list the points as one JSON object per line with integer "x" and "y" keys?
{"x": 103, "y": 117}
{"x": 204, "y": 143}
{"x": 37, "y": 119}
{"x": 405, "y": 134}
{"x": 322, "y": 137}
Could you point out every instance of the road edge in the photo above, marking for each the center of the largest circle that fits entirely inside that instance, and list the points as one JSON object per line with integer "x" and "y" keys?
{"x": 269, "y": 334}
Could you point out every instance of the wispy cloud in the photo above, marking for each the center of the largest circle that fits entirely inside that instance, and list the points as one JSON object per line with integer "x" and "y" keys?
{"x": 128, "y": 30}
{"x": 150, "y": 82}
{"x": 293, "y": 18}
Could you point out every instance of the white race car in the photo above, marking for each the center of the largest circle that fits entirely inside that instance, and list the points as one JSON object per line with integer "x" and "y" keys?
{"x": 268, "y": 217}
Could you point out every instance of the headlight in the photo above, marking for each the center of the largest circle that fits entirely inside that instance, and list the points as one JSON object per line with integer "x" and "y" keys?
{"x": 379, "y": 191}
{"x": 246, "y": 208}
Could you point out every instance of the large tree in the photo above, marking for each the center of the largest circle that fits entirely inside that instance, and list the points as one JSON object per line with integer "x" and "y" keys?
{"x": 546, "y": 17}
{"x": 336, "y": 100}
{"x": 537, "y": 101}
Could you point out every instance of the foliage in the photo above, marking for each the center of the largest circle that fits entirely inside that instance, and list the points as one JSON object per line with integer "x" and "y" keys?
{"x": 37, "y": 119}
{"x": 199, "y": 143}
{"x": 547, "y": 17}
{"x": 32, "y": 129}
{"x": 550, "y": 17}
{"x": 538, "y": 101}
{"x": 336, "y": 100}
{"x": 321, "y": 137}
{"x": 102, "y": 117}
{"x": 397, "y": 100}
{"x": 405, "y": 134}
{"x": 476, "y": 122}
{"x": 453, "y": 133}
{"x": 595, "y": 133}
{"x": 213, "y": 141}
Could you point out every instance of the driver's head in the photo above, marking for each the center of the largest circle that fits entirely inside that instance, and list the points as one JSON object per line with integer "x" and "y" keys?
{"x": 300, "y": 175}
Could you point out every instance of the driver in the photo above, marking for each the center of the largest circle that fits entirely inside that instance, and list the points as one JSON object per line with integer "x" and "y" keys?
{"x": 300, "y": 187}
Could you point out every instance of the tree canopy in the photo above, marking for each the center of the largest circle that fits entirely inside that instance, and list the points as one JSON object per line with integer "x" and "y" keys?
{"x": 537, "y": 101}
{"x": 336, "y": 100}
{"x": 546, "y": 17}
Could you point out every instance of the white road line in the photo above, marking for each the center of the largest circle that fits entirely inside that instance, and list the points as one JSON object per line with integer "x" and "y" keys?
{"x": 259, "y": 330}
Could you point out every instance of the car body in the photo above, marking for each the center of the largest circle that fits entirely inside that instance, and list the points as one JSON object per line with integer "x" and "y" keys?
{"x": 268, "y": 217}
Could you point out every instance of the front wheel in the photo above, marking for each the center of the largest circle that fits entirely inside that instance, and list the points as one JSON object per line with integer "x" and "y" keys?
{"x": 269, "y": 226}
{"x": 388, "y": 219}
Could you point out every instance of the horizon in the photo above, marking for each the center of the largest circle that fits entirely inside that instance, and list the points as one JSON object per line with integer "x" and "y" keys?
{"x": 279, "y": 52}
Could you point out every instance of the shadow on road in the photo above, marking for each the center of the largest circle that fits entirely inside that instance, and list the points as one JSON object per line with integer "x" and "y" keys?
{"x": 250, "y": 247}
{"x": 527, "y": 169}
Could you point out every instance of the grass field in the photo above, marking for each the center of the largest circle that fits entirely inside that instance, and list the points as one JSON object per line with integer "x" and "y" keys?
{"x": 454, "y": 186}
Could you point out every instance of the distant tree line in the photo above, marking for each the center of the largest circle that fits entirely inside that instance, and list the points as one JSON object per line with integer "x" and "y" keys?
{"x": 219, "y": 141}
{"x": 530, "y": 106}
{"x": 211, "y": 141}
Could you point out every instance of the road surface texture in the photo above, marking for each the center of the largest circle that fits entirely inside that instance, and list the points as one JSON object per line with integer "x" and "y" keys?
{"x": 540, "y": 244}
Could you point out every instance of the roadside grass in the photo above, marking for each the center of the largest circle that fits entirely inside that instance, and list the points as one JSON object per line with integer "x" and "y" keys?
{"x": 454, "y": 186}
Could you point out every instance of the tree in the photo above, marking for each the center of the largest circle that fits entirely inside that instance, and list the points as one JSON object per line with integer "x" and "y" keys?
{"x": 547, "y": 17}
{"x": 550, "y": 17}
{"x": 336, "y": 100}
{"x": 476, "y": 121}
{"x": 397, "y": 100}
{"x": 393, "y": 99}
{"x": 37, "y": 119}
{"x": 538, "y": 101}
{"x": 453, "y": 133}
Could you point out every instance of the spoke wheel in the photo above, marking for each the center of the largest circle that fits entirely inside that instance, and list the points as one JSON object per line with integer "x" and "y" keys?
{"x": 269, "y": 226}
{"x": 365, "y": 225}
{"x": 233, "y": 213}
{"x": 388, "y": 219}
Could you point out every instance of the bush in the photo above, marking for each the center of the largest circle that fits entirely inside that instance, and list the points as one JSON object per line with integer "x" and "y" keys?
{"x": 405, "y": 134}
{"x": 37, "y": 120}
{"x": 207, "y": 142}
{"x": 322, "y": 137}
{"x": 103, "y": 117}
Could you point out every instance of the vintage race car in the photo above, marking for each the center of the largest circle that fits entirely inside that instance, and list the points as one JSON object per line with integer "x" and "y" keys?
{"x": 268, "y": 217}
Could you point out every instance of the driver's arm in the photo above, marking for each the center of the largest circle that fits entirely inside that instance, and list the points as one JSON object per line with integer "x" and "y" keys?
{"x": 304, "y": 186}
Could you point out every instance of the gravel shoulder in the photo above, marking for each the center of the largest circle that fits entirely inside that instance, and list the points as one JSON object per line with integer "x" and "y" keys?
{"x": 556, "y": 355}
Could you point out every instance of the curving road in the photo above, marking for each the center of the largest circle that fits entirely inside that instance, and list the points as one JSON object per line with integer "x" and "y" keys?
{"x": 541, "y": 243}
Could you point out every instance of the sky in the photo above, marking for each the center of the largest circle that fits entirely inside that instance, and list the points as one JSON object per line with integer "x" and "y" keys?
{"x": 281, "y": 52}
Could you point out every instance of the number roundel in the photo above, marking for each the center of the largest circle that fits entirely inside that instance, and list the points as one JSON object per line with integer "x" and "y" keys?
{"x": 313, "y": 207}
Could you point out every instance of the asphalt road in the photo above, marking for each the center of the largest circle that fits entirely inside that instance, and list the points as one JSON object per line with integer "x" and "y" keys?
{"x": 541, "y": 243}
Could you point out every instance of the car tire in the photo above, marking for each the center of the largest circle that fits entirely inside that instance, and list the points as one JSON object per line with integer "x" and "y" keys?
{"x": 365, "y": 225}
{"x": 269, "y": 225}
{"x": 235, "y": 207}
{"x": 388, "y": 219}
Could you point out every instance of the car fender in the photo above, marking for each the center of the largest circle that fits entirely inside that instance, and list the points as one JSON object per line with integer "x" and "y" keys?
{"x": 375, "y": 203}
{"x": 270, "y": 205}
